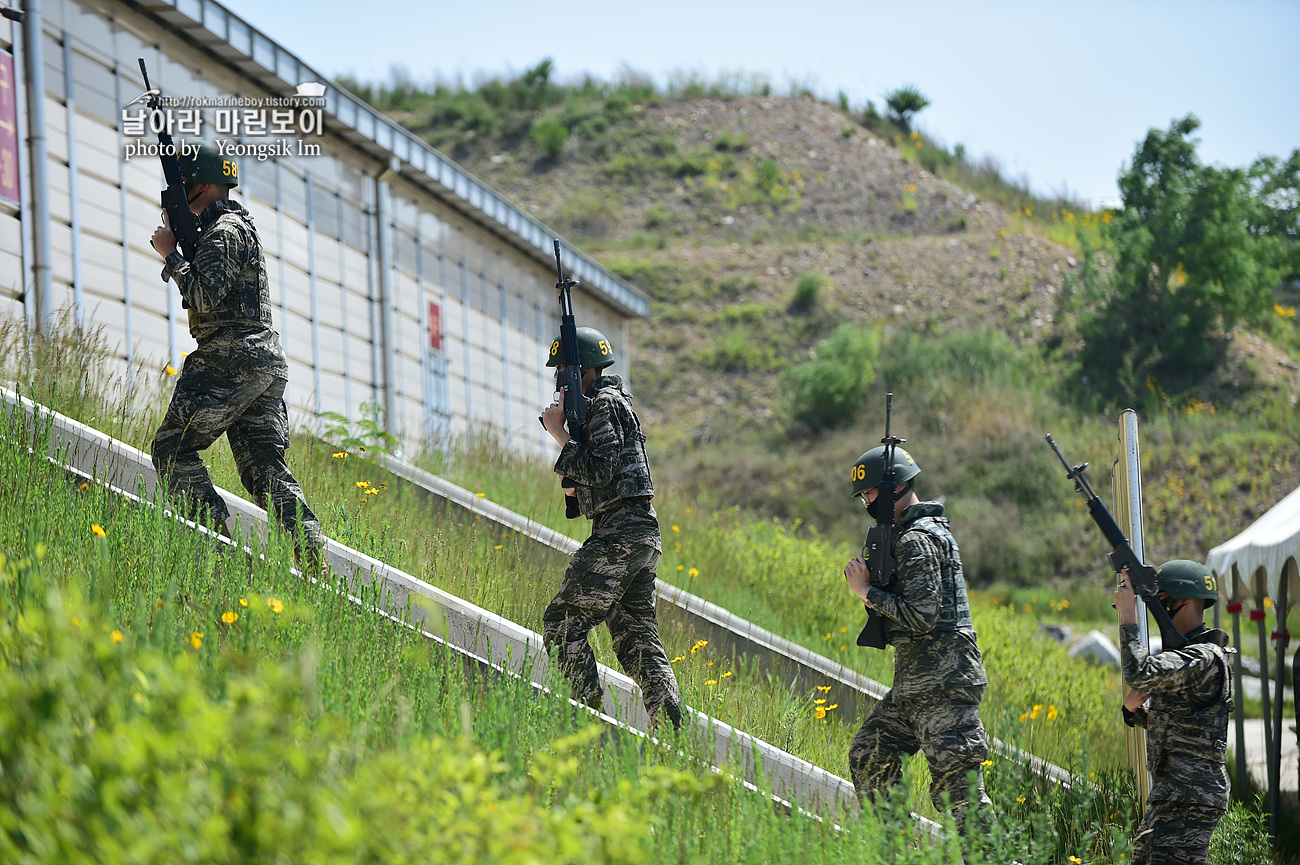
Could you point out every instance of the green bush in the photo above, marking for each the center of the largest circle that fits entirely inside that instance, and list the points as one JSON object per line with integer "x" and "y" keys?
{"x": 828, "y": 390}
{"x": 550, "y": 135}
{"x": 807, "y": 291}
{"x": 904, "y": 103}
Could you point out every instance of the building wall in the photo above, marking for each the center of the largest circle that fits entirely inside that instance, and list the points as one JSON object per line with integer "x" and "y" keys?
{"x": 330, "y": 227}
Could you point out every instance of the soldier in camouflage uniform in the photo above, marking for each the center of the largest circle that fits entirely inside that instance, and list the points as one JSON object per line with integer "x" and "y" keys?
{"x": 1187, "y": 720}
{"x": 939, "y": 678}
{"x": 234, "y": 381}
{"x": 611, "y": 578}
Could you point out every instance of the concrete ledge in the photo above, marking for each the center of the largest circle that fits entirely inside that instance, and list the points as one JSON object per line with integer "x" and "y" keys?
{"x": 797, "y": 664}
{"x": 467, "y": 628}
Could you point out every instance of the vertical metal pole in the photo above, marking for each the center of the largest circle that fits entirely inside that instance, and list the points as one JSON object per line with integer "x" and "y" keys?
{"x": 382, "y": 219}
{"x": 311, "y": 284}
{"x": 74, "y": 212}
{"x": 284, "y": 282}
{"x": 125, "y": 228}
{"x": 34, "y": 69}
{"x": 1259, "y": 583}
{"x": 1240, "y": 783}
{"x": 1275, "y": 758}
{"x": 343, "y": 306}
{"x": 1127, "y": 490}
{"x": 464, "y": 314}
{"x": 505, "y": 358}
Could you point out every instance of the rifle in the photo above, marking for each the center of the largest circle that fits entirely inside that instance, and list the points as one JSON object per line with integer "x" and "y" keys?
{"x": 174, "y": 201}
{"x": 1121, "y": 556}
{"x": 569, "y": 379}
{"x": 879, "y": 545}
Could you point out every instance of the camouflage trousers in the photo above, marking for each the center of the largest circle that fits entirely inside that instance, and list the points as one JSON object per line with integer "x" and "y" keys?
{"x": 1175, "y": 833}
{"x": 248, "y": 406}
{"x": 612, "y": 582}
{"x": 945, "y": 725}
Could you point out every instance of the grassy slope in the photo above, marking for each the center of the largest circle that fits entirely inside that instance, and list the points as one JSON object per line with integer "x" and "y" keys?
{"x": 715, "y": 206}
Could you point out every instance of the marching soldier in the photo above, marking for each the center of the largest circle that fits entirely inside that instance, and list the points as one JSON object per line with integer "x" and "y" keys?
{"x": 939, "y": 678}
{"x": 611, "y": 578}
{"x": 234, "y": 382}
{"x": 1187, "y": 721}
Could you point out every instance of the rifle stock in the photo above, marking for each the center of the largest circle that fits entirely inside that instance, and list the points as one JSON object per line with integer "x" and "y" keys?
{"x": 1122, "y": 558}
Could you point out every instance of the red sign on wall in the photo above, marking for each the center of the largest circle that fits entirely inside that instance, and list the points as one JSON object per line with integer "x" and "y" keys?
{"x": 435, "y": 327}
{"x": 8, "y": 129}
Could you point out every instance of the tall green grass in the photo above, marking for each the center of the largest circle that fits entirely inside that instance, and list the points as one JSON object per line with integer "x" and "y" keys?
{"x": 160, "y": 586}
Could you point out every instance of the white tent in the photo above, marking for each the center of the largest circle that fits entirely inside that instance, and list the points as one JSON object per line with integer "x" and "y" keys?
{"x": 1268, "y": 551}
{"x": 1261, "y": 563}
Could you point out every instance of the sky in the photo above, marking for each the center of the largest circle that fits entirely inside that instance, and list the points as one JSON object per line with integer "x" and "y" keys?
{"x": 1058, "y": 92}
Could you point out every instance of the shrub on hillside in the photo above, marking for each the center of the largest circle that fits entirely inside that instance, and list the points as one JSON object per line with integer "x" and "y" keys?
{"x": 827, "y": 391}
{"x": 550, "y": 135}
{"x": 904, "y": 103}
{"x": 807, "y": 291}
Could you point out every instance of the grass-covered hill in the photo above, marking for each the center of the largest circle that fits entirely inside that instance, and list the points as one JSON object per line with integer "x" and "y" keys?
{"x": 760, "y": 224}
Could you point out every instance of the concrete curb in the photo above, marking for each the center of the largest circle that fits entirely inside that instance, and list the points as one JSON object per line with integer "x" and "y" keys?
{"x": 724, "y": 630}
{"x": 467, "y": 628}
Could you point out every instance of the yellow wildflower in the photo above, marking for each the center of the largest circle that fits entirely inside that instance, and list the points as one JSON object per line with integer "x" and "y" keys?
{"x": 819, "y": 701}
{"x": 83, "y": 486}
{"x": 373, "y": 491}
{"x": 243, "y": 603}
{"x": 676, "y": 529}
{"x": 97, "y": 530}
{"x": 681, "y": 567}
{"x": 832, "y": 706}
{"x": 1023, "y": 717}
{"x": 230, "y": 617}
{"x": 361, "y": 485}
{"x": 711, "y": 682}
{"x": 1052, "y": 713}
{"x": 340, "y": 455}
{"x": 480, "y": 495}
{"x": 1020, "y": 799}
{"x": 828, "y": 636}
{"x": 825, "y": 689}
{"x": 276, "y": 605}
{"x": 116, "y": 637}
{"x": 498, "y": 546}
{"x": 987, "y": 763}
{"x": 196, "y": 640}
{"x": 1034, "y": 713}
{"x": 819, "y": 712}
{"x": 693, "y": 572}
{"x": 171, "y": 370}
{"x": 1076, "y": 860}
{"x": 844, "y": 630}
{"x": 709, "y": 664}
{"x": 726, "y": 674}
{"x": 678, "y": 658}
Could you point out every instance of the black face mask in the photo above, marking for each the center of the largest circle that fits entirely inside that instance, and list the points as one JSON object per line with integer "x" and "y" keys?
{"x": 873, "y": 510}
{"x": 1171, "y": 605}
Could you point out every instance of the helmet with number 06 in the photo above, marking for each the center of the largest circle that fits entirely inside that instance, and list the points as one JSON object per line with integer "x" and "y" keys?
{"x": 594, "y": 350}
{"x": 1183, "y": 578}
{"x": 204, "y": 163}
{"x": 870, "y": 467}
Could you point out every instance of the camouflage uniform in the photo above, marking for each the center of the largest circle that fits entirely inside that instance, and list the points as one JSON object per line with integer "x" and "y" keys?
{"x": 1187, "y": 740}
{"x": 938, "y": 676}
{"x": 234, "y": 382}
{"x": 612, "y": 577}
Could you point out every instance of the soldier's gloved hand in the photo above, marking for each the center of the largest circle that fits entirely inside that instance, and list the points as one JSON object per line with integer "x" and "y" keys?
{"x": 163, "y": 241}
{"x": 858, "y": 576}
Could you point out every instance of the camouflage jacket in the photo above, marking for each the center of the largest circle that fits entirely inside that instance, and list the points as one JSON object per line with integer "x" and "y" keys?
{"x": 611, "y": 467}
{"x": 227, "y": 293}
{"x": 1187, "y": 723}
{"x": 927, "y": 614}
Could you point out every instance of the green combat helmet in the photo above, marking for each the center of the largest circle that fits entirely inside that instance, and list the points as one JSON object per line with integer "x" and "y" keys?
{"x": 1183, "y": 578}
{"x": 594, "y": 351}
{"x": 867, "y": 471}
{"x": 203, "y": 163}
